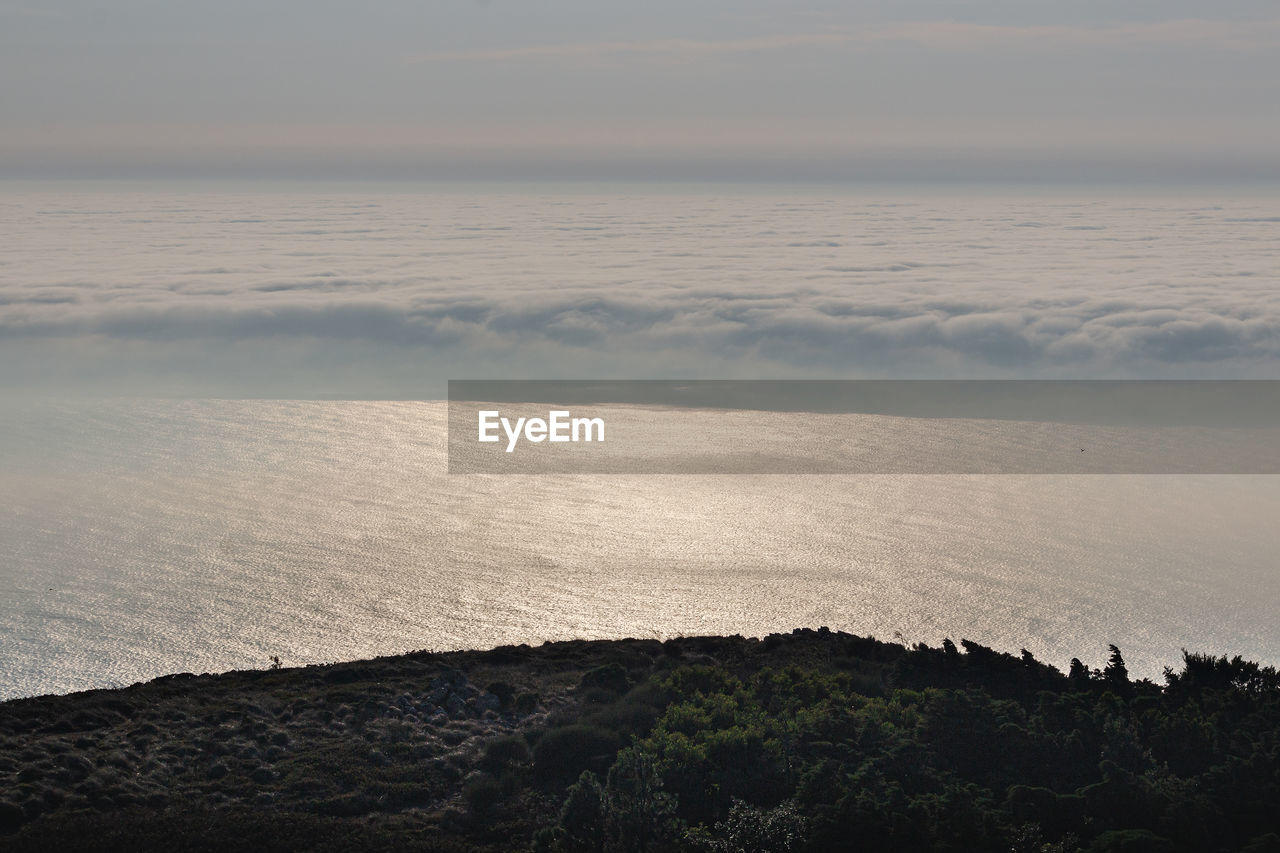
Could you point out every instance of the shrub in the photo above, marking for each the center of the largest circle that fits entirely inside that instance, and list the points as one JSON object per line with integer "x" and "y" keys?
{"x": 505, "y": 692}
{"x": 623, "y": 717}
{"x": 630, "y": 812}
{"x": 638, "y": 814}
{"x": 481, "y": 794}
{"x": 581, "y": 828}
{"x": 748, "y": 829}
{"x": 563, "y": 753}
{"x": 611, "y": 677}
{"x": 597, "y": 696}
{"x": 1130, "y": 841}
{"x": 504, "y": 753}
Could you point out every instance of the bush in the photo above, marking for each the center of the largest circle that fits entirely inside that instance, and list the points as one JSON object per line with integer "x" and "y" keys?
{"x": 597, "y": 696}
{"x": 629, "y": 813}
{"x": 1130, "y": 841}
{"x": 623, "y": 717}
{"x": 505, "y": 692}
{"x": 581, "y": 828}
{"x": 505, "y": 753}
{"x": 638, "y": 814}
{"x": 481, "y": 794}
{"x": 611, "y": 677}
{"x": 563, "y": 753}
{"x": 748, "y": 829}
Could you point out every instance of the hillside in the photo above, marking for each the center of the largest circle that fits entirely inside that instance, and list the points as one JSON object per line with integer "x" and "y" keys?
{"x": 815, "y": 740}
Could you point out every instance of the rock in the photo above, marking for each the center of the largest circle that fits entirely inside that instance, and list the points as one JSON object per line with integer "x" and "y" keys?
{"x": 217, "y": 770}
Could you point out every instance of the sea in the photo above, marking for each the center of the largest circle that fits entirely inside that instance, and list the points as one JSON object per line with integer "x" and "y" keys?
{"x": 222, "y": 439}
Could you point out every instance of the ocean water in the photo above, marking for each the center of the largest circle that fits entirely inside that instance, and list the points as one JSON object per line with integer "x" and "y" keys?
{"x": 142, "y": 537}
{"x": 147, "y": 527}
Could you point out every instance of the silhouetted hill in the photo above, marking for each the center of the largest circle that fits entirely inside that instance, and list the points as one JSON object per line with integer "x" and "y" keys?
{"x": 814, "y": 740}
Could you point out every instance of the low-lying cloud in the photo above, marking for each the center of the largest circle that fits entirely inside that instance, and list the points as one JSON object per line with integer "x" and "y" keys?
{"x": 342, "y": 294}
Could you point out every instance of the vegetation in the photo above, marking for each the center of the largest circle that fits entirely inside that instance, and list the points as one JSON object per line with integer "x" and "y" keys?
{"x": 810, "y": 741}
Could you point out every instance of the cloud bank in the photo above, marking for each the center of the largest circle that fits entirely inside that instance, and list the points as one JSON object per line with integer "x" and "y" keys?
{"x": 389, "y": 292}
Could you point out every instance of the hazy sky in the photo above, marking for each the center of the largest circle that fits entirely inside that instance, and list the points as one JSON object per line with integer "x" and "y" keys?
{"x": 805, "y": 88}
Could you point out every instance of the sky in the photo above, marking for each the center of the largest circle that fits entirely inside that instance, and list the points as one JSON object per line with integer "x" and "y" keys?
{"x": 341, "y": 286}
{"x": 1153, "y": 90}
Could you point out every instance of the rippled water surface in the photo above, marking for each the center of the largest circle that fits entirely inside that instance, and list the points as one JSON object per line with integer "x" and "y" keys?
{"x": 140, "y": 537}
{"x": 144, "y": 537}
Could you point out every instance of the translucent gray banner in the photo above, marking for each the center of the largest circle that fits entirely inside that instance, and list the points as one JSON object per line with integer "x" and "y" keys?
{"x": 864, "y": 427}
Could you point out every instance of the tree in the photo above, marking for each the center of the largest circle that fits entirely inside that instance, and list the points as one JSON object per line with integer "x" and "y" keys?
{"x": 638, "y": 815}
{"x": 1079, "y": 673}
{"x": 1116, "y": 674}
{"x": 582, "y": 816}
{"x": 630, "y": 813}
{"x": 753, "y": 830}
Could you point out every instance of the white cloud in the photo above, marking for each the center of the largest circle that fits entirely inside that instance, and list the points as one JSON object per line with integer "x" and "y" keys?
{"x": 646, "y": 283}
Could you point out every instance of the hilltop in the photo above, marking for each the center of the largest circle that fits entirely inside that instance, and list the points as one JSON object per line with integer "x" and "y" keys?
{"x": 813, "y": 740}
